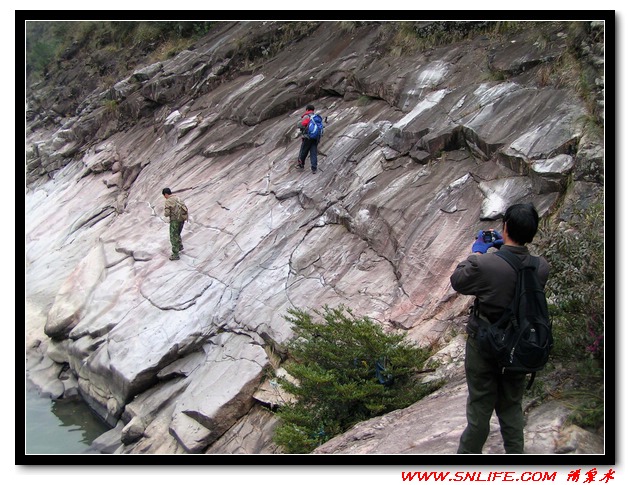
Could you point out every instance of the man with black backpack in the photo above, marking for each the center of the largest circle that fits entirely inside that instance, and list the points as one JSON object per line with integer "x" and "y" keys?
{"x": 311, "y": 126}
{"x": 492, "y": 384}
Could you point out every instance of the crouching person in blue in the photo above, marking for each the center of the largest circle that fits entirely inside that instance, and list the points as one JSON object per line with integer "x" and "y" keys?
{"x": 492, "y": 280}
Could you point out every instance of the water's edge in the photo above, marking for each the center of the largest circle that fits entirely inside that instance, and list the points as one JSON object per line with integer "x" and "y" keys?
{"x": 58, "y": 427}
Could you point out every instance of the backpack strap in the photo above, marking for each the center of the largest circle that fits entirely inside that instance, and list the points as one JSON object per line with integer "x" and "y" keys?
{"x": 515, "y": 261}
{"x": 511, "y": 258}
{"x": 531, "y": 381}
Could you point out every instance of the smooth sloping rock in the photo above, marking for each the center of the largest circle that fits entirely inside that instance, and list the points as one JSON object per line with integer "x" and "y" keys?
{"x": 220, "y": 391}
{"x": 419, "y": 152}
{"x": 70, "y": 303}
{"x": 575, "y": 440}
{"x": 252, "y": 434}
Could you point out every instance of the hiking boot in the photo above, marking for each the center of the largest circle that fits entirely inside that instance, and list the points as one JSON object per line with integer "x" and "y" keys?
{"x": 313, "y": 170}
{"x": 299, "y": 166}
{"x": 173, "y": 257}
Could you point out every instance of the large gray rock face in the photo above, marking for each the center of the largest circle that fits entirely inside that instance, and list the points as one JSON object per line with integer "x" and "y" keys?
{"x": 419, "y": 153}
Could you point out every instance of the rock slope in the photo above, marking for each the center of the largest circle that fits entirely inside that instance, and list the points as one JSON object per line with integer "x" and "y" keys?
{"x": 420, "y": 152}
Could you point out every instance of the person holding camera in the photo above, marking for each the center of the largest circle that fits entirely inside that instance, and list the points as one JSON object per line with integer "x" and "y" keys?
{"x": 492, "y": 280}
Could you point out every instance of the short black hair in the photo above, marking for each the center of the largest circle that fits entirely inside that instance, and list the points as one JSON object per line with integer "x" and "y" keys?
{"x": 166, "y": 191}
{"x": 522, "y": 222}
{"x": 310, "y": 107}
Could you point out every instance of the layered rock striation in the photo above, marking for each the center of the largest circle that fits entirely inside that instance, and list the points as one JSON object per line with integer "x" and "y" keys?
{"x": 420, "y": 152}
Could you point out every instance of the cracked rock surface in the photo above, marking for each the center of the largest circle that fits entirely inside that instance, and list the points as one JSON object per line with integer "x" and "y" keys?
{"x": 172, "y": 353}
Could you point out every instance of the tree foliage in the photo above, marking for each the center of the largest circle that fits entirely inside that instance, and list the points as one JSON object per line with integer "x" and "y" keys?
{"x": 576, "y": 283}
{"x": 347, "y": 370}
{"x": 46, "y": 41}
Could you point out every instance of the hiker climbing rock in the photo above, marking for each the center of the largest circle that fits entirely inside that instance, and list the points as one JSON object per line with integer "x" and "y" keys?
{"x": 312, "y": 128}
{"x": 177, "y": 212}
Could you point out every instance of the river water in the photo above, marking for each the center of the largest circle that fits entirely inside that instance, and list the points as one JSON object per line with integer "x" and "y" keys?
{"x": 58, "y": 427}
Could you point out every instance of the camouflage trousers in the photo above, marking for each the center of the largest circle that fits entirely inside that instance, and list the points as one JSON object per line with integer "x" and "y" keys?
{"x": 175, "y": 231}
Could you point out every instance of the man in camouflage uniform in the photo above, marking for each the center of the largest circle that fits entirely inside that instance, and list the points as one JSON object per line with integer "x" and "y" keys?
{"x": 177, "y": 214}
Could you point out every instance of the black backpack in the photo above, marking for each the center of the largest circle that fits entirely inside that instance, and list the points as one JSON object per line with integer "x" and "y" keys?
{"x": 521, "y": 340}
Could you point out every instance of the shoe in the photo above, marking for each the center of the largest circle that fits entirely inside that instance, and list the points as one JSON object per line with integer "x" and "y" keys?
{"x": 299, "y": 166}
{"x": 174, "y": 258}
{"x": 313, "y": 170}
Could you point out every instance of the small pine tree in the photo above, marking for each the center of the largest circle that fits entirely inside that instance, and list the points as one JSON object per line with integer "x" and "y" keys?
{"x": 347, "y": 370}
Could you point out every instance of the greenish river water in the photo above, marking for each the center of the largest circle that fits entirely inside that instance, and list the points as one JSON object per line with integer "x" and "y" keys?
{"x": 58, "y": 427}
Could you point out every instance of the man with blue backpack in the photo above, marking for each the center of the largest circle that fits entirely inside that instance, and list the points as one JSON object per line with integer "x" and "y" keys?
{"x": 312, "y": 128}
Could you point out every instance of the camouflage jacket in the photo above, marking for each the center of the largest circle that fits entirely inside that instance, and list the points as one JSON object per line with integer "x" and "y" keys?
{"x": 175, "y": 209}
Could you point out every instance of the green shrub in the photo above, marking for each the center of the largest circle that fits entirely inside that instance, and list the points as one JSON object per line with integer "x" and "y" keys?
{"x": 112, "y": 108}
{"x": 335, "y": 365}
{"x": 410, "y": 37}
{"x": 46, "y": 40}
{"x": 41, "y": 55}
{"x": 147, "y": 32}
{"x": 587, "y": 407}
{"x": 364, "y": 100}
{"x": 575, "y": 293}
{"x": 575, "y": 288}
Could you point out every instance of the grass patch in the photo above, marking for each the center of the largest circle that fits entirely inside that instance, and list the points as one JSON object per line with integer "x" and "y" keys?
{"x": 111, "y": 107}
{"x": 414, "y": 37}
{"x": 364, "y": 100}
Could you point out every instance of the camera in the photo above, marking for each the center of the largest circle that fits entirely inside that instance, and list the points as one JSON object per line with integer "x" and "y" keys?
{"x": 489, "y": 236}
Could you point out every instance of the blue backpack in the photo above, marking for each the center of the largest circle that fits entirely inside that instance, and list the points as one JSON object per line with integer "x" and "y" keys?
{"x": 315, "y": 127}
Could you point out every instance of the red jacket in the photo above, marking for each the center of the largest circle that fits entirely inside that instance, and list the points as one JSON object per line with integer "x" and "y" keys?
{"x": 303, "y": 124}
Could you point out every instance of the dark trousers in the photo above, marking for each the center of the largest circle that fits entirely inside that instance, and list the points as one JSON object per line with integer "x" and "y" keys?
{"x": 175, "y": 233}
{"x": 489, "y": 390}
{"x": 308, "y": 145}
